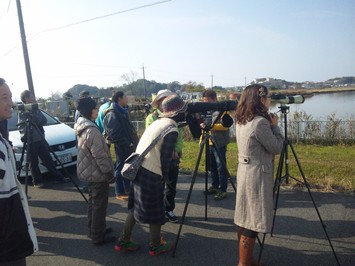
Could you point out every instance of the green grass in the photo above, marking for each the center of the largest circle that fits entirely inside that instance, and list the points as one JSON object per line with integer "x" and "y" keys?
{"x": 329, "y": 168}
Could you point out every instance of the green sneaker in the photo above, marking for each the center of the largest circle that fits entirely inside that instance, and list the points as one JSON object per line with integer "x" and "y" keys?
{"x": 220, "y": 195}
{"x": 212, "y": 190}
{"x": 126, "y": 246}
{"x": 164, "y": 247}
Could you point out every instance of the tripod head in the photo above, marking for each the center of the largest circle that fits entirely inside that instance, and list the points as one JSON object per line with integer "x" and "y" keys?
{"x": 285, "y": 109}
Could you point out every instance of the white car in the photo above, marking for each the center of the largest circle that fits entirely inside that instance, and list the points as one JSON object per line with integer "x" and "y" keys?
{"x": 60, "y": 137}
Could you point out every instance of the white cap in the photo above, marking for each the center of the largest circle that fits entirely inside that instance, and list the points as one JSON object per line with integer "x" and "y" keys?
{"x": 161, "y": 95}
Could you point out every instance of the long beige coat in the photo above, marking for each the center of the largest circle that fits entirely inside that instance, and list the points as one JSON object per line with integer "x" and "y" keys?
{"x": 258, "y": 142}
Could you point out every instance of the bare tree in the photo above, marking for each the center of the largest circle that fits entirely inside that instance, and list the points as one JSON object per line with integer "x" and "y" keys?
{"x": 129, "y": 78}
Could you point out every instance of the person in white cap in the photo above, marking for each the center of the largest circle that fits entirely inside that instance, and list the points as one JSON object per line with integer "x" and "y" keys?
{"x": 146, "y": 194}
{"x": 170, "y": 189}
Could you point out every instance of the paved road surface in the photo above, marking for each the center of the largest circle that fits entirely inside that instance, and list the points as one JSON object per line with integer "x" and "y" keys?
{"x": 59, "y": 214}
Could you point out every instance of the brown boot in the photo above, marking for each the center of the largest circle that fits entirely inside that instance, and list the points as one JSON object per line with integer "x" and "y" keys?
{"x": 246, "y": 249}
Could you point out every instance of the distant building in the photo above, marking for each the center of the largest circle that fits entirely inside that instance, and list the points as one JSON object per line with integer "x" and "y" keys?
{"x": 58, "y": 108}
{"x": 191, "y": 96}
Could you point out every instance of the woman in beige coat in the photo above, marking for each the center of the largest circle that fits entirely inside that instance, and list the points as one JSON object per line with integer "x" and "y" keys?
{"x": 94, "y": 166}
{"x": 259, "y": 139}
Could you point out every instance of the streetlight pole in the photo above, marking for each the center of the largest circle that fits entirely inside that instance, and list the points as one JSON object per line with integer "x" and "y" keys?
{"x": 24, "y": 48}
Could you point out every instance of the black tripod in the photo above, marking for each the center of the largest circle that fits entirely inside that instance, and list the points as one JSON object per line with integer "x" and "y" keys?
{"x": 280, "y": 177}
{"x": 30, "y": 126}
{"x": 206, "y": 138}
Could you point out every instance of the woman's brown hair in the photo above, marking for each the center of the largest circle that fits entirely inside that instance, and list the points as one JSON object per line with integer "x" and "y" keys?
{"x": 250, "y": 104}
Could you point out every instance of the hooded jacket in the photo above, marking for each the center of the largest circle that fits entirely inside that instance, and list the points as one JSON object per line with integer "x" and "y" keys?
{"x": 94, "y": 160}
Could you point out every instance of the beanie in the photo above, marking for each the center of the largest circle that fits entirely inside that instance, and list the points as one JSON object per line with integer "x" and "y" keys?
{"x": 85, "y": 106}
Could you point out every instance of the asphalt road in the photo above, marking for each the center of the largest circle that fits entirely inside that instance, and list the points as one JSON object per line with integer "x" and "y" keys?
{"x": 59, "y": 215}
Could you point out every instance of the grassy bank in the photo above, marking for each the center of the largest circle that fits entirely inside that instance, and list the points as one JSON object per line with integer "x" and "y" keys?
{"x": 329, "y": 168}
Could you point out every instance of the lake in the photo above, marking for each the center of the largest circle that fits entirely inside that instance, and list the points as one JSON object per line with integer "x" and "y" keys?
{"x": 322, "y": 105}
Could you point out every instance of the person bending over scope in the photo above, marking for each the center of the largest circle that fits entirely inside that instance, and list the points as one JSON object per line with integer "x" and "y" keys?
{"x": 38, "y": 146}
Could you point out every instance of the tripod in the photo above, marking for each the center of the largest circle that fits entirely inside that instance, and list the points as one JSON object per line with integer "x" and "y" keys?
{"x": 279, "y": 179}
{"x": 30, "y": 126}
{"x": 206, "y": 138}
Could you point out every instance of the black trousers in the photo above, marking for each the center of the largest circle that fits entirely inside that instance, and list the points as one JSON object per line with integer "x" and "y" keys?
{"x": 97, "y": 206}
{"x": 170, "y": 185}
{"x": 40, "y": 149}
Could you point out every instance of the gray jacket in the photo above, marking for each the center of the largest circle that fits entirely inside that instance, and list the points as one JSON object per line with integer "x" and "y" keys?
{"x": 94, "y": 160}
{"x": 258, "y": 142}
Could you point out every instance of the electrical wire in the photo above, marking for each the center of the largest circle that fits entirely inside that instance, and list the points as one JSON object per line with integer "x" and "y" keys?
{"x": 104, "y": 16}
{"x": 86, "y": 20}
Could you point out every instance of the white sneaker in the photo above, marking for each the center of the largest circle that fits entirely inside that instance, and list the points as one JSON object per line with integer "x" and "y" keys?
{"x": 171, "y": 216}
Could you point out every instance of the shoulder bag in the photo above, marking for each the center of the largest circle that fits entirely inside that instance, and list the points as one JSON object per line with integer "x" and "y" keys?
{"x": 135, "y": 160}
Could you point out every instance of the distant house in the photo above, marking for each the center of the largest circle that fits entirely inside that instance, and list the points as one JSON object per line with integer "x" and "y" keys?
{"x": 191, "y": 96}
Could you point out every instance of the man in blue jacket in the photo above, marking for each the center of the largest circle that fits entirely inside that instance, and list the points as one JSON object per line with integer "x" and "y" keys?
{"x": 120, "y": 131}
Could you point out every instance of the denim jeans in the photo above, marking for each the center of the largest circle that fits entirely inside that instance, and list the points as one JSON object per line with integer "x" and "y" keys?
{"x": 219, "y": 173}
{"x": 122, "y": 184}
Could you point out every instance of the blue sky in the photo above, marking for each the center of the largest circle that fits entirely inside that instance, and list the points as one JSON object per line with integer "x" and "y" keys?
{"x": 180, "y": 40}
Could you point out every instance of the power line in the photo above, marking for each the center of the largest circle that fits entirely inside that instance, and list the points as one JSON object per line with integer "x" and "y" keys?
{"x": 88, "y": 20}
{"x": 104, "y": 16}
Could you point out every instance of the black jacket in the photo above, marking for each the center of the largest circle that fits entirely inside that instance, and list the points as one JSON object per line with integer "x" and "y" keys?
{"x": 119, "y": 129}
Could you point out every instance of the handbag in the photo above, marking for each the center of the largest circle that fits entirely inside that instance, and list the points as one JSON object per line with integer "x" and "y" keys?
{"x": 133, "y": 163}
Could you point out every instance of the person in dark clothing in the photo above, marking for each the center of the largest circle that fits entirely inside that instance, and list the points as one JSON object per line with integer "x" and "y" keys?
{"x": 220, "y": 133}
{"x": 120, "y": 131}
{"x": 38, "y": 147}
{"x": 17, "y": 235}
{"x": 146, "y": 195}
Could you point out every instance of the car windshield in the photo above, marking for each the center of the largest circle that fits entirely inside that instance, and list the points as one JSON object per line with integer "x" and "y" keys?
{"x": 12, "y": 122}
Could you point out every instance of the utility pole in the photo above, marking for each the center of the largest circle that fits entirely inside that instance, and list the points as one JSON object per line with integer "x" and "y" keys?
{"x": 211, "y": 81}
{"x": 245, "y": 81}
{"x": 24, "y": 48}
{"x": 145, "y": 88}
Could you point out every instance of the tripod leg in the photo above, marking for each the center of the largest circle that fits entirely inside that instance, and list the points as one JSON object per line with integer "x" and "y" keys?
{"x": 26, "y": 166}
{"x": 206, "y": 143}
{"x": 26, "y": 147}
{"x": 59, "y": 162}
{"x": 314, "y": 204}
{"x": 189, "y": 195}
{"x": 261, "y": 247}
{"x": 276, "y": 189}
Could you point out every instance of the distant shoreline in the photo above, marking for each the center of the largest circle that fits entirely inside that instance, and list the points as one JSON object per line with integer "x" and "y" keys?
{"x": 313, "y": 91}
